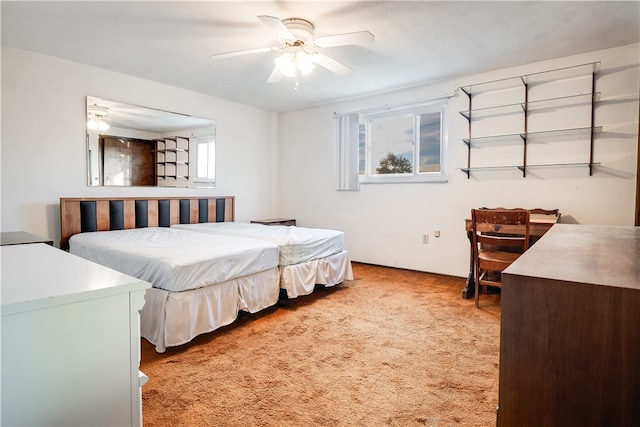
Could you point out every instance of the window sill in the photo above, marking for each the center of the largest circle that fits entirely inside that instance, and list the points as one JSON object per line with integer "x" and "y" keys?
{"x": 404, "y": 180}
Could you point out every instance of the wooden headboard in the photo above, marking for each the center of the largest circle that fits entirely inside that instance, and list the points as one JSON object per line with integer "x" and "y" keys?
{"x": 80, "y": 215}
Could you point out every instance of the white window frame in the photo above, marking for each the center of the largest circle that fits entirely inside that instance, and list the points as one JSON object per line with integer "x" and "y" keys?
{"x": 369, "y": 177}
{"x": 210, "y": 141}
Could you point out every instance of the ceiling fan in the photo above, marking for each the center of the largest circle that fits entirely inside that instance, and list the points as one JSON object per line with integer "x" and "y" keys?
{"x": 300, "y": 49}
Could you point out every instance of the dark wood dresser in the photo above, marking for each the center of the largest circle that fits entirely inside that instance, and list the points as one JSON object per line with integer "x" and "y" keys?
{"x": 570, "y": 330}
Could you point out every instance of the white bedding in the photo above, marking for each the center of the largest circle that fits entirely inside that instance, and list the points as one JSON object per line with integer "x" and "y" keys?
{"x": 301, "y": 279}
{"x": 173, "y": 318}
{"x": 297, "y": 244}
{"x": 174, "y": 259}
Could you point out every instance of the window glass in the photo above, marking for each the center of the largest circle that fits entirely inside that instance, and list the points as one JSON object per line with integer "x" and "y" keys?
{"x": 205, "y": 159}
{"x": 430, "y": 142}
{"x": 404, "y": 145}
{"x": 362, "y": 147}
{"x": 392, "y": 142}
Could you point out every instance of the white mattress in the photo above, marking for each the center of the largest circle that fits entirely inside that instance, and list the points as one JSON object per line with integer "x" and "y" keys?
{"x": 174, "y": 259}
{"x": 297, "y": 244}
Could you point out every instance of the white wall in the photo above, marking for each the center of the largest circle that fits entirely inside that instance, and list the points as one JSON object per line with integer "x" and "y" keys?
{"x": 43, "y": 140}
{"x": 285, "y": 166}
{"x": 384, "y": 223}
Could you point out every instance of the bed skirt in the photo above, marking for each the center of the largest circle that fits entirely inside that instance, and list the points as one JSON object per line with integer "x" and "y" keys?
{"x": 300, "y": 279}
{"x": 173, "y": 318}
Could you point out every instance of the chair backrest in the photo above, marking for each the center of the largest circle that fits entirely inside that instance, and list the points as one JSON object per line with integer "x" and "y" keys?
{"x": 545, "y": 211}
{"x": 501, "y": 227}
{"x": 539, "y": 211}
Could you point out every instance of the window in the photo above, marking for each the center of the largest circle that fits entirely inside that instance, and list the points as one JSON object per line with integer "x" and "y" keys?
{"x": 403, "y": 145}
{"x": 205, "y": 159}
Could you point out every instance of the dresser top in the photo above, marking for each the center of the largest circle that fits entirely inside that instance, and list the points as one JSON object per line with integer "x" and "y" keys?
{"x": 38, "y": 275}
{"x": 591, "y": 254}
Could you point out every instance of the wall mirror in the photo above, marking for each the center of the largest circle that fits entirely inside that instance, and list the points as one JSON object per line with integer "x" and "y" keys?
{"x": 129, "y": 145}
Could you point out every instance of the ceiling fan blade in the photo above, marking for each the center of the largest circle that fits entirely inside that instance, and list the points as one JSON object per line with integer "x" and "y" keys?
{"x": 358, "y": 37}
{"x": 276, "y": 76}
{"x": 331, "y": 64}
{"x": 243, "y": 52}
{"x": 277, "y": 27}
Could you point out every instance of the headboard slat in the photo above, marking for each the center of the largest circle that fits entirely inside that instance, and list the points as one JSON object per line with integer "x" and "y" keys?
{"x": 129, "y": 220}
{"x": 154, "y": 213}
{"x": 164, "y": 213}
{"x": 79, "y": 215}
{"x": 185, "y": 211}
{"x": 102, "y": 215}
{"x": 203, "y": 210}
{"x": 88, "y": 216}
{"x": 69, "y": 214}
{"x": 142, "y": 213}
{"x": 174, "y": 217}
{"x": 116, "y": 215}
{"x": 220, "y": 211}
{"x": 193, "y": 211}
{"x": 230, "y": 211}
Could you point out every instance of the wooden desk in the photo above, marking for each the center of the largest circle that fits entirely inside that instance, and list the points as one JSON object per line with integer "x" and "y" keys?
{"x": 538, "y": 226}
{"x": 570, "y": 330}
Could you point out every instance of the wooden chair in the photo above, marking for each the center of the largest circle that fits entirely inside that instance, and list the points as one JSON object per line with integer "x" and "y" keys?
{"x": 500, "y": 236}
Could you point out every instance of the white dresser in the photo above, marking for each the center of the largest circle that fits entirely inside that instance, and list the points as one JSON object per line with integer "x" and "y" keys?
{"x": 70, "y": 341}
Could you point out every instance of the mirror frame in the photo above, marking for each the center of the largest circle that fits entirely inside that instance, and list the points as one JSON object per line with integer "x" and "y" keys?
{"x": 134, "y": 123}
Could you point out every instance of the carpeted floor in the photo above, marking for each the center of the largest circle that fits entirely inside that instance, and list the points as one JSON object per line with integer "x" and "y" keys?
{"x": 390, "y": 348}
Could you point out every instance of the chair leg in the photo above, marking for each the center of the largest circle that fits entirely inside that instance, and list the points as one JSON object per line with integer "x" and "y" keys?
{"x": 477, "y": 294}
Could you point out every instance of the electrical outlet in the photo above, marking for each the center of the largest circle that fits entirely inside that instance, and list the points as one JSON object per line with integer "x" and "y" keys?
{"x": 425, "y": 239}
{"x": 436, "y": 233}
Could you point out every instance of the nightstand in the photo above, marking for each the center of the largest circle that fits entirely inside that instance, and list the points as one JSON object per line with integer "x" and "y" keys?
{"x": 275, "y": 221}
{"x": 20, "y": 238}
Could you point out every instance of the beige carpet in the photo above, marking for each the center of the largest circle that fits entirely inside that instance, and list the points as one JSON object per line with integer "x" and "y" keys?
{"x": 390, "y": 348}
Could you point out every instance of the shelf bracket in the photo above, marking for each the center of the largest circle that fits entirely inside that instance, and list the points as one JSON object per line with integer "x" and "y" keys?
{"x": 593, "y": 102}
{"x": 466, "y": 115}
{"x": 523, "y": 168}
{"x": 468, "y": 142}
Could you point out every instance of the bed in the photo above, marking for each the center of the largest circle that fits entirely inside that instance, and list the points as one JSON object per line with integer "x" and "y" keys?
{"x": 307, "y": 256}
{"x": 200, "y": 281}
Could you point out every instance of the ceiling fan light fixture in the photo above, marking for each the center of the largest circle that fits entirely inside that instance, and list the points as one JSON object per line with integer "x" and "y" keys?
{"x": 304, "y": 63}
{"x": 97, "y": 123}
{"x": 290, "y": 63}
{"x": 299, "y": 48}
{"x": 95, "y": 117}
{"x": 286, "y": 63}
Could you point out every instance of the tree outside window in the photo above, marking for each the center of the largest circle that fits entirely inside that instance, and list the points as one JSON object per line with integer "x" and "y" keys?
{"x": 394, "y": 164}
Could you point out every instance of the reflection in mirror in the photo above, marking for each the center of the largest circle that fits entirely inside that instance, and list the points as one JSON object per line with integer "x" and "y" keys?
{"x": 128, "y": 145}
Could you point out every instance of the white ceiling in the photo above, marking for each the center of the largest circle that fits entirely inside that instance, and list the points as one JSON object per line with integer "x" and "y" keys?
{"x": 416, "y": 42}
